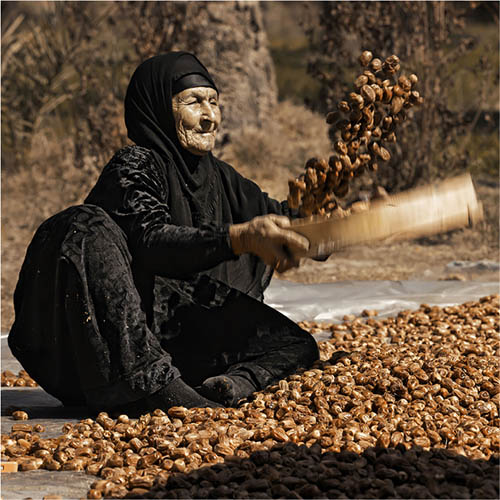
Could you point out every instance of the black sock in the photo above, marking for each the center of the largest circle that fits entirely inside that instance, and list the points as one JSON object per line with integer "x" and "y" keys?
{"x": 227, "y": 389}
{"x": 178, "y": 393}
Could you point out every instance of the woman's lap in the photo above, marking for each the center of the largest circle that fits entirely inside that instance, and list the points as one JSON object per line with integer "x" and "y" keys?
{"x": 243, "y": 333}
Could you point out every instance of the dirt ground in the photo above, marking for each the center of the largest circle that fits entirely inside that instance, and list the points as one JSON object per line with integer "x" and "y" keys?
{"x": 402, "y": 261}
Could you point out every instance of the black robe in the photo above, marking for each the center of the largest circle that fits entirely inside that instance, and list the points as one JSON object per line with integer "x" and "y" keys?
{"x": 120, "y": 296}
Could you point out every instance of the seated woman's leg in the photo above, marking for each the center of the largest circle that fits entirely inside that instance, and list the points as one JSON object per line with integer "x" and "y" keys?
{"x": 248, "y": 342}
{"x": 80, "y": 330}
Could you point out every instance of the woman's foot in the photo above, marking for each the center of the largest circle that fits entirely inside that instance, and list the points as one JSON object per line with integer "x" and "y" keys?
{"x": 178, "y": 393}
{"x": 227, "y": 389}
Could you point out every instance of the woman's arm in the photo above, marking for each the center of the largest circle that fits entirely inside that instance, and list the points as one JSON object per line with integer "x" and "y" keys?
{"x": 133, "y": 191}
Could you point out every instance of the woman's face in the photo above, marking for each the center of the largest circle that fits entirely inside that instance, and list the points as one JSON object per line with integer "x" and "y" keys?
{"x": 197, "y": 117}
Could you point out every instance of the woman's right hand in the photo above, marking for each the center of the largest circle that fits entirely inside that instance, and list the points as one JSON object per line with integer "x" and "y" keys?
{"x": 269, "y": 237}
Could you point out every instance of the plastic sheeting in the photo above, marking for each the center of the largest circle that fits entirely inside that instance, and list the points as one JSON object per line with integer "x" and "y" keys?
{"x": 329, "y": 302}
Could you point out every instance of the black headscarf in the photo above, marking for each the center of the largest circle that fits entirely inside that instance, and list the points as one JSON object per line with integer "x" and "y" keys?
{"x": 148, "y": 103}
{"x": 150, "y": 121}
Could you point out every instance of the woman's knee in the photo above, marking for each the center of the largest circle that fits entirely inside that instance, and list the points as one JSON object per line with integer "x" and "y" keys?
{"x": 309, "y": 351}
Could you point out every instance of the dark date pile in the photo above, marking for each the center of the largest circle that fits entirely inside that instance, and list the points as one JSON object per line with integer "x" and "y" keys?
{"x": 298, "y": 471}
{"x": 402, "y": 407}
{"x": 365, "y": 123}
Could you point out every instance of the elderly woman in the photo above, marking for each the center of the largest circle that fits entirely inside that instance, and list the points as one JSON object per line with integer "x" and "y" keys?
{"x": 149, "y": 295}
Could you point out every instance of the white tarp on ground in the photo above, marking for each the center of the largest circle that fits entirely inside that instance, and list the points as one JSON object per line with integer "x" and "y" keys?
{"x": 329, "y": 302}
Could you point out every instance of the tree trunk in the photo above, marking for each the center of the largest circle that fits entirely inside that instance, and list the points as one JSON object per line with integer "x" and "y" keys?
{"x": 231, "y": 41}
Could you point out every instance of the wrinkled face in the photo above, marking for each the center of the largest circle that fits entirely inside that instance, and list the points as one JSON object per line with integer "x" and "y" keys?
{"x": 197, "y": 118}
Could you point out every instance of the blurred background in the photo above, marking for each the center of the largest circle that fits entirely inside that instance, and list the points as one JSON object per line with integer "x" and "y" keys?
{"x": 280, "y": 68}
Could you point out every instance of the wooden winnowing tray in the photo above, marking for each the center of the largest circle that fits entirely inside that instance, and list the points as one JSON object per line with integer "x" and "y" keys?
{"x": 423, "y": 211}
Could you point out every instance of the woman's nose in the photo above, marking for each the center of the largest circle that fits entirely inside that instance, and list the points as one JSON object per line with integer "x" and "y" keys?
{"x": 207, "y": 111}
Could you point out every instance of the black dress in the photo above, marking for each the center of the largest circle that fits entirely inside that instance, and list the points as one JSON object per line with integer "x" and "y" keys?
{"x": 121, "y": 295}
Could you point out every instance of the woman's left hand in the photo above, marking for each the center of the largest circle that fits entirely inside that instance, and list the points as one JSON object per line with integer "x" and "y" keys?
{"x": 270, "y": 238}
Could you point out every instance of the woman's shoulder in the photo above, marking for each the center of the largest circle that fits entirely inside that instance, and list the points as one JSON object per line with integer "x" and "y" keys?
{"x": 132, "y": 165}
{"x": 134, "y": 162}
{"x": 132, "y": 155}
{"x": 224, "y": 167}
